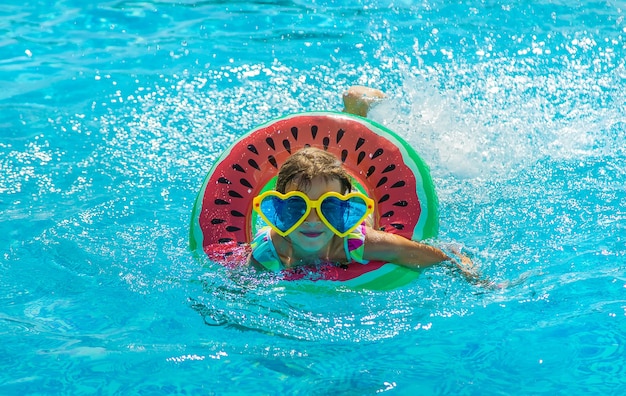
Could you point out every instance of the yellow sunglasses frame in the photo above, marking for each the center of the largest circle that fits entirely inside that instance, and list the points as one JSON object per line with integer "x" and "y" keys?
{"x": 256, "y": 206}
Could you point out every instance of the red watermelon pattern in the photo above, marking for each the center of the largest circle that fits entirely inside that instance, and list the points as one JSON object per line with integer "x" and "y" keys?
{"x": 380, "y": 161}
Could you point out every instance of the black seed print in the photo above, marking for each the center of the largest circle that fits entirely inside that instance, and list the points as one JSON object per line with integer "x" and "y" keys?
{"x": 287, "y": 145}
{"x": 397, "y": 226}
{"x": 253, "y": 164}
{"x": 224, "y": 240}
{"x": 272, "y": 161}
{"x": 239, "y": 168}
{"x": 314, "y": 131}
{"x": 217, "y": 221}
{"x": 340, "y": 135}
{"x": 245, "y": 183}
{"x": 326, "y": 142}
{"x": 294, "y": 132}
{"x": 221, "y": 202}
{"x": 344, "y": 155}
{"x": 270, "y": 142}
{"x": 382, "y": 181}
{"x": 377, "y": 153}
{"x": 398, "y": 184}
{"x": 383, "y": 198}
{"x": 234, "y": 194}
{"x": 360, "y": 157}
{"x": 232, "y": 229}
{"x": 236, "y": 213}
{"x": 253, "y": 149}
{"x": 389, "y": 168}
{"x": 371, "y": 170}
{"x": 359, "y": 143}
{"x": 228, "y": 254}
{"x": 223, "y": 180}
{"x": 401, "y": 203}
{"x": 388, "y": 214}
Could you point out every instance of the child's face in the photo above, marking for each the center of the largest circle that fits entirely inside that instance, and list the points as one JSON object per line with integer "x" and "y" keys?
{"x": 313, "y": 235}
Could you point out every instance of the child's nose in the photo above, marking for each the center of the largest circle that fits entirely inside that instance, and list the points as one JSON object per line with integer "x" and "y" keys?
{"x": 313, "y": 216}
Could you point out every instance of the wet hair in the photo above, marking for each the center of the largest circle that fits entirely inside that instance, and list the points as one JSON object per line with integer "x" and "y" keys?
{"x": 305, "y": 165}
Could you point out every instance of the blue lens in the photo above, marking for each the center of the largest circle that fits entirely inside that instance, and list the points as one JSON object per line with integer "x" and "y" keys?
{"x": 343, "y": 215}
{"x": 283, "y": 213}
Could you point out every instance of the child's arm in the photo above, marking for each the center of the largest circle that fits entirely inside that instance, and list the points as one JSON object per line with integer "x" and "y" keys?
{"x": 252, "y": 262}
{"x": 383, "y": 246}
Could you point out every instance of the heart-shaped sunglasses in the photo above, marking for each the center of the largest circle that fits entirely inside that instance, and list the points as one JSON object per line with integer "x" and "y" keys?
{"x": 340, "y": 213}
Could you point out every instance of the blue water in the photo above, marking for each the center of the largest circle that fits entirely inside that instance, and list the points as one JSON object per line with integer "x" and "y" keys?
{"x": 112, "y": 113}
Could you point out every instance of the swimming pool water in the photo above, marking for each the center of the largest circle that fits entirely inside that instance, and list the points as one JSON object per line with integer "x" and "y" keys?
{"x": 111, "y": 113}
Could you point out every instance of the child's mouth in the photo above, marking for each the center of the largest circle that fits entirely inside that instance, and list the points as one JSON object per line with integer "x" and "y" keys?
{"x": 310, "y": 234}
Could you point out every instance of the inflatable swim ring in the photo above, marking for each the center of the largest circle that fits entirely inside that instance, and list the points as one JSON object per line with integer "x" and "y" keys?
{"x": 383, "y": 165}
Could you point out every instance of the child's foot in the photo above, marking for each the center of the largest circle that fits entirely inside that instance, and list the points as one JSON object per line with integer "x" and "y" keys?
{"x": 358, "y": 99}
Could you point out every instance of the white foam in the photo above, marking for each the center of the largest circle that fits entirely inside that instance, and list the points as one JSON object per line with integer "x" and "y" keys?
{"x": 488, "y": 120}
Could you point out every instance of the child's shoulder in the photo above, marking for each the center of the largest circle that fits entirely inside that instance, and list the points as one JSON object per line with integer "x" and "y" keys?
{"x": 263, "y": 250}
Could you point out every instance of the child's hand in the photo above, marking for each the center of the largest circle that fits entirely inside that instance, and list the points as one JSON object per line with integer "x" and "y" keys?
{"x": 470, "y": 272}
{"x": 467, "y": 266}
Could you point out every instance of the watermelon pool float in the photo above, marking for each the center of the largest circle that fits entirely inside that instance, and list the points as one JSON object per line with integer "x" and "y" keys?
{"x": 381, "y": 162}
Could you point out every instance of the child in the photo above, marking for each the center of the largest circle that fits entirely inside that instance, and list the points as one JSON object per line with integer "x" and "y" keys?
{"x": 305, "y": 229}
